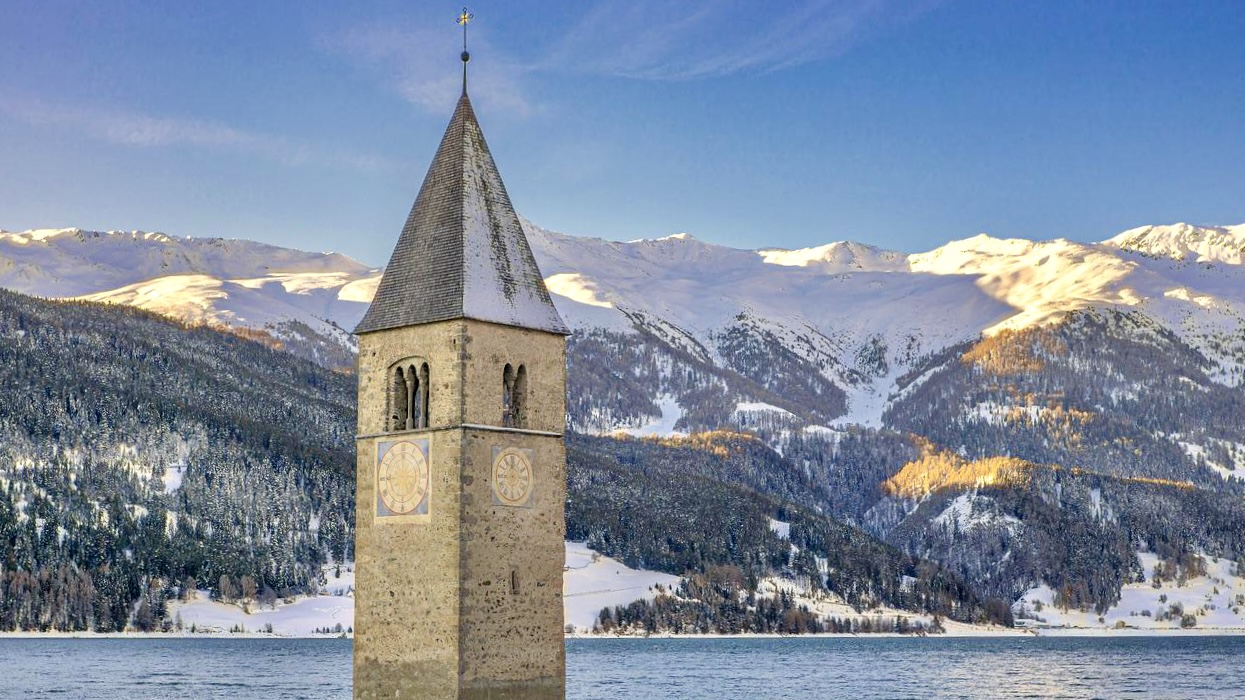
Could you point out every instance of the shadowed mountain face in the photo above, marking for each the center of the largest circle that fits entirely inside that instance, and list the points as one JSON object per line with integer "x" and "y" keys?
{"x": 1025, "y": 412}
{"x": 1051, "y": 455}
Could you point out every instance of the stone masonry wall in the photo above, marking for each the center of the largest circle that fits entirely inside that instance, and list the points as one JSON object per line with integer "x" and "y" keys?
{"x": 436, "y": 616}
{"x": 489, "y": 348}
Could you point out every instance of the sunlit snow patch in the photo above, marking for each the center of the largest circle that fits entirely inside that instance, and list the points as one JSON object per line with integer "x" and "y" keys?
{"x": 173, "y": 477}
{"x": 577, "y": 287}
{"x": 671, "y": 412}
{"x": 1214, "y": 601}
{"x": 593, "y": 581}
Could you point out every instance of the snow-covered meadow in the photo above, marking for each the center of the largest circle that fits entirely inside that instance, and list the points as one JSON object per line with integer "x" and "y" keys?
{"x": 1214, "y": 602}
{"x": 591, "y": 582}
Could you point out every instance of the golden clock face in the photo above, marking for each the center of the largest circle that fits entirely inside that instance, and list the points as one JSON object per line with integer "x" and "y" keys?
{"x": 512, "y": 476}
{"x": 402, "y": 478}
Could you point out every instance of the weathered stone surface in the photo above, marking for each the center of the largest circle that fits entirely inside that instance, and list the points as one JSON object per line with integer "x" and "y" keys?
{"x": 469, "y": 604}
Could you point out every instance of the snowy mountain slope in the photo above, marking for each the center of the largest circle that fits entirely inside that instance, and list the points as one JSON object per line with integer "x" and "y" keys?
{"x": 1036, "y": 281}
{"x": 700, "y": 293}
{"x": 70, "y": 262}
{"x": 857, "y": 316}
{"x": 862, "y": 317}
{"x": 1185, "y": 243}
{"x": 240, "y": 284}
{"x": 1192, "y": 280}
{"x": 703, "y": 288}
{"x": 838, "y": 257}
{"x": 249, "y": 303}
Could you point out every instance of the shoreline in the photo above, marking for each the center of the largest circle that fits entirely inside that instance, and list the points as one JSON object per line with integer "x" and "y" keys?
{"x": 998, "y": 633}
{"x": 994, "y": 633}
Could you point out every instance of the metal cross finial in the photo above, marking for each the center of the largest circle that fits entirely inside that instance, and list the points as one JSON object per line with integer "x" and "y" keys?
{"x": 463, "y": 19}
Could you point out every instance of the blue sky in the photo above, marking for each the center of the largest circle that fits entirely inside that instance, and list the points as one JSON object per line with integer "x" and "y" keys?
{"x": 901, "y": 124}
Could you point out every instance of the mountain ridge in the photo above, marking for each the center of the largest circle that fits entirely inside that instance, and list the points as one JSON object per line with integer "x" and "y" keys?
{"x": 833, "y": 304}
{"x": 1115, "y": 369}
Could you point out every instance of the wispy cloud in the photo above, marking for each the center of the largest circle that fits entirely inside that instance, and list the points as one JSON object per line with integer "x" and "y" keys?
{"x": 641, "y": 39}
{"x": 647, "y": 39}
{"x": 144, "y": 130}
{"x": 419, "y": 64}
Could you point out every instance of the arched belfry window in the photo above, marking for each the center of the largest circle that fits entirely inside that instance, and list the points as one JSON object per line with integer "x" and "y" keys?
{"x": 397, "y": 400}
{"x": 514, "y": 397}
{"x": 408, "y": 396}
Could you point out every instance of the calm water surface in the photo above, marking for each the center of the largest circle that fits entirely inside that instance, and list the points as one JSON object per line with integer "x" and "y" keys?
{"x": 618, "y": 669}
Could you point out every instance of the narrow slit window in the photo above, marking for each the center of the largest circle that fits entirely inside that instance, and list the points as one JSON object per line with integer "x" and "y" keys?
{"x": 514, "y": 581}
{"x": 412, "y": 390}
{"x": 518, "y": 398}
{"x": 424, "y": 390}
{"x": 507, "y": 397}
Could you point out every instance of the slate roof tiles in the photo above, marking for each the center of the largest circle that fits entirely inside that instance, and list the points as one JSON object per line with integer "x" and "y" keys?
{"x": 462, "y": 252}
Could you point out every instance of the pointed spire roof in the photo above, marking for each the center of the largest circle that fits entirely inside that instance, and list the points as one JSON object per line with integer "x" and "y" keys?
{"x": 462, "y": 252}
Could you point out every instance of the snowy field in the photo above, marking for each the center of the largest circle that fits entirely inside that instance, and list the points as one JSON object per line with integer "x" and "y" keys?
{"x": 1212, "y": 603}
{"x": 307, "y": 616}
{"x": 591, "y": 581}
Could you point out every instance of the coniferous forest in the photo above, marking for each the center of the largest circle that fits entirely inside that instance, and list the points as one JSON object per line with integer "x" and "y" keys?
{"x": 141, "y": 458}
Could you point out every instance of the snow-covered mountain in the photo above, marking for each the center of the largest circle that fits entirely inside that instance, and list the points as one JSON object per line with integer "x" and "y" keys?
{"x": 864, "y": 316}
{"x": 1183, "y": 242}
{"x": 852, "y": 293}
{"x": 289, "y": 294}
{"x": 859, "y": 315}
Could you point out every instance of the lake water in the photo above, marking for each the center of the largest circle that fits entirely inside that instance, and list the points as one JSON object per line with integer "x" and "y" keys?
{"x": 717, "y": 669}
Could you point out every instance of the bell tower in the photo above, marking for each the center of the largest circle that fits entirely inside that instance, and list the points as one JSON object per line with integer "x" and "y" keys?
{"x": 461, "y": 471}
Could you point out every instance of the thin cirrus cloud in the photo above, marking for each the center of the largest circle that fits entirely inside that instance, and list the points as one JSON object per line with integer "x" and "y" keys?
{"x": 645, "y": 39}
{"x": 143, "y": 130}
{"x": 639, "y": 39}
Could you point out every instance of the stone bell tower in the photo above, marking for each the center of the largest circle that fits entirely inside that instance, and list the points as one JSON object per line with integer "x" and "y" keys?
{"x": 461, "y": 460}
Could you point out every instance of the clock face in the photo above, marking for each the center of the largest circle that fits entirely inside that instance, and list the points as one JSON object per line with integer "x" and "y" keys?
{"x": 402, "y": 478}
{"x": 513, "y": 477}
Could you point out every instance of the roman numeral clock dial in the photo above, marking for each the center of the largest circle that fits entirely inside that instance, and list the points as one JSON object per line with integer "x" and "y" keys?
{"x": 402, "y": 478}
{"x": 513, "y": 477}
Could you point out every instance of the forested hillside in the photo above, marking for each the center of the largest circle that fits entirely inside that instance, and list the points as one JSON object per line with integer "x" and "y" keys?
{"x": 1028, "y": 414}
{"x": 705, "y": 506}
{"x": 139, "y": 458}
{"x": 1052, "y": 455}
{"x": 1046, "y": 456}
